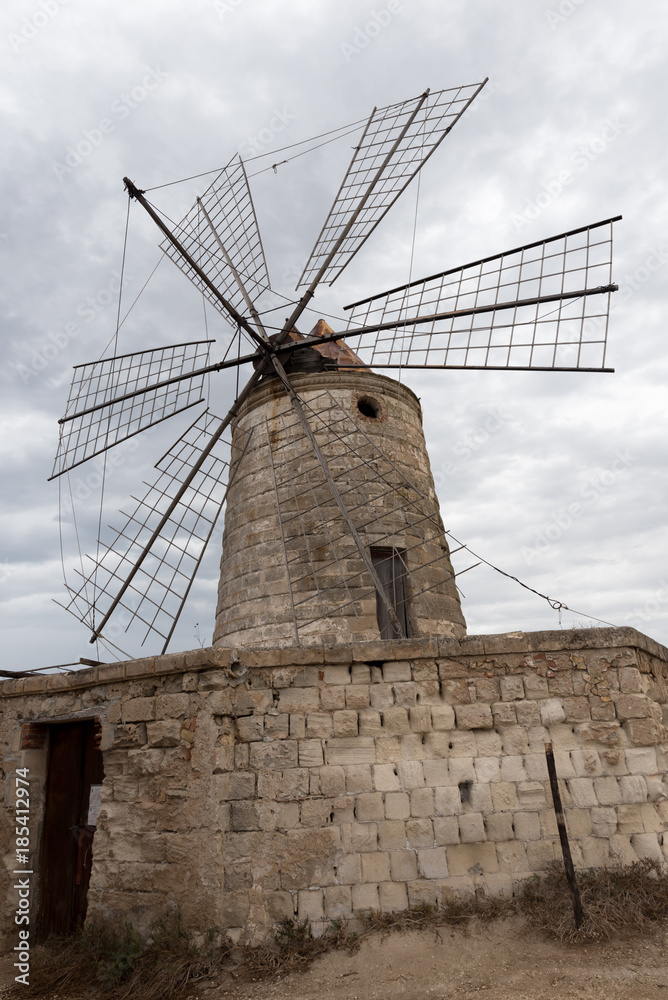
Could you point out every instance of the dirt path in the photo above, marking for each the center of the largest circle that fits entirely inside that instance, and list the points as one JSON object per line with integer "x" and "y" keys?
{"x": 500, "y": 961}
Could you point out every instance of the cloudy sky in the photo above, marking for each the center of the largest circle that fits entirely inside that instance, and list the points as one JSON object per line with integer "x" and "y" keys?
{"x": 559, "y": 479}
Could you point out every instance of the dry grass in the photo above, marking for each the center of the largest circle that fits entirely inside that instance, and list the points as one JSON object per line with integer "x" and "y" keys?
{"x": 619, "y": 900}
{"x": 118, "y": 965}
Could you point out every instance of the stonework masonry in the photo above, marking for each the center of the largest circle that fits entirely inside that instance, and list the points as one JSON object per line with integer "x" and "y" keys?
{"x": 249, "y": 787}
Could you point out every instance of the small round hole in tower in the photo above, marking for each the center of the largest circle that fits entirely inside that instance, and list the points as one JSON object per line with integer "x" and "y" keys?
{"x": 369, "y": 407}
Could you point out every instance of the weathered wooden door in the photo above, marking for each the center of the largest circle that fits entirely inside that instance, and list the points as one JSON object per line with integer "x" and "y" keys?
{"x": 74, "y": 765}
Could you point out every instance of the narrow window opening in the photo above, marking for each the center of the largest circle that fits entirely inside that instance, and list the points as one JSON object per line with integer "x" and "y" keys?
{"x": 369, "y": 407}
{"x": 391, "y": 570}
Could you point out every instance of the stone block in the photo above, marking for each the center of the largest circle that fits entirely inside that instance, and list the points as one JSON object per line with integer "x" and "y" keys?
{"x": 365, "y": 897}
{"x": 472, "y": 859}
{"x": 299, "y": 700}
{"x": 629, "y": 680}
{"x": 310, "y": 753}
{"x": 535, "y": 767}
{"x": 536, "y": 687}
{"x": 512, "y": 856}
{"x": 561, "y": 684}
{"x": 621, "y": 849}
{"x": 435, "y": 773}
{"x": 280, "y": 905}
{"x": 652, "y": 822}
{"x": 442, "y": 717}
{"x": 480, "y": 798}
{"x": 432, "y": 862}
{"x": 472, "y": 828}
{"x": 641, "y": 760}
{"x": 603, "y": 821}
{"x": 405, "y": 695}
{"x": 595, "y": 851}
{"x": 370, "y": 723}
{"x": 376, "y": 866}
{"x": 504, "y": 713}
{"x": 345, "y": 723}
{"x": 239, "y": 785}
{"x": 455, "y": 692}
{"x": 422, "y": 802}
{"x": 582, "y": 792}
{"x": 504, "y": 796}
{"x": 349, "y": 871}
{"x": 276, "y": 756}
{"x": 250, "y": 728}
{"x": 244, "y": 816}
{"x": 461, "y": 769}
{"x": 360, "y": 673}
{"x": 630, "y": 819}
{"x": 527, "y": 826}
{"x": 337, "y": 674}
{"x": 393, "y": 896}
{"x": 475, "y": 716}
{"x": 552, "y": 712}
{"x": 357, "y": 696}
{"x": 646, "y": 845}
{"x": 332, "y": 699}
{"x": 499, "y": 827}
{"x": 369, "y": 807}
{"x": 460, "y": 744}
{"x": 420, "y": 718}
{"x": 411, "y": 774}
{"x": 642, "y": 732}
{"x": 310, "y": 904}
{"x": 413, "y": 747}
{"x": 577, "y": 709}
{"x": 528, "y": 713}
{"x": 446, "y": 830}
{"x": 541, "y": 854}
{"x": 381, "y": 696}
{"x": 332, "y": 780}
{"x": 138, "y": 710}
{"x": 358, "y": 778}
{"x": 608, "y": 791}
{"x": 515, "y": 740}
{"x": 391, "y": 835}
{"x": 632, "y": 706}
{"x": 487, "y": 689}
{"x": 277, "y": 726}
{"x": 338, "y": 902}
{"x": 397, "y": 671}
{"x": 172, "y": 706}
{"x": 164, "y": 734}
{"x": 657, "y": 789}
{"x": 397, "y": 805}
{"x": 447, "y": 801}
{"x": 487, "y": 769}
{"x": 287, "y": 785}
{"x": 499, "y": 885}
{"x": 297, "y": 726}
{"x": 318, "y": 725}
{"x": 351, "y": 750}
{"x": 512, "y": 768}
{"x": 601, "y": 711}
{"x": 396, "y": 722}
{"x": 403, "y": 866}
{"x": 512, "y": 689}
{"x": 488, "y": 743}
{"x": 531, "y": 795}
{"x": 419, "y": 832}
{"x": 386, "y": 778}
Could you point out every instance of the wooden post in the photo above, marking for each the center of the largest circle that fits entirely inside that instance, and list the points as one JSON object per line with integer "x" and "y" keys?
{"x": 578, "y": 912}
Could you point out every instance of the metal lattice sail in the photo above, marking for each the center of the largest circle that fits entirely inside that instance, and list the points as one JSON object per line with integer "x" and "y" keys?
{"x": 349, "y": 524}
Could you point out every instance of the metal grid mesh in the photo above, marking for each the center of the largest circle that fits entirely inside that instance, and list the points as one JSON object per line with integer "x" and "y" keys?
{"x": 157, "y": 593}
{"x": 490, "y": 319}
{"x": 396, "y": 143}
{"x": 326, "y": 575}
{"x": 233, "y": 245}
{"x": 112, "y": 400}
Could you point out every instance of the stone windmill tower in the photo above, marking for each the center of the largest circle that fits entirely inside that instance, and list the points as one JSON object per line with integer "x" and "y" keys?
{"x": 332, "y": 529}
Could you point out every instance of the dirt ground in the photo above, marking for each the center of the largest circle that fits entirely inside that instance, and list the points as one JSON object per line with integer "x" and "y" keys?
{"x": 501, "y": 961}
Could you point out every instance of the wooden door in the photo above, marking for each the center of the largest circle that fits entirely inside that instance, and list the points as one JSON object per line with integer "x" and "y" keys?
{"x": 75, "y": 763}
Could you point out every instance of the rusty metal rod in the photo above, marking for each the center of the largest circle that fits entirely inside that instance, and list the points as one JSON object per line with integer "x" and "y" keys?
{"x": 578, "y": 912}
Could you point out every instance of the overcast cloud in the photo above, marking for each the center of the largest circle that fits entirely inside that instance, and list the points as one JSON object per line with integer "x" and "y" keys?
{"x": 559, "y": 479}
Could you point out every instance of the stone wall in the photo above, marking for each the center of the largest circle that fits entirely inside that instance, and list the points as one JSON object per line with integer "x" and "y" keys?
{"x": 317, "y": 782}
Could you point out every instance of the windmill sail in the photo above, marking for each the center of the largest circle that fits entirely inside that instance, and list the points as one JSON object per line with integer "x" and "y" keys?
{"x": 158, "y": 590}
{"x": 220, "y": 233}
{"x": 397, "y": 141}
{"x": 543, "y": 305}
{"x": 114, "y": 399}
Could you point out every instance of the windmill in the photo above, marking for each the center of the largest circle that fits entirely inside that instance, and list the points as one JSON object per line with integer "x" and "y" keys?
{"x": 347, "y": 524}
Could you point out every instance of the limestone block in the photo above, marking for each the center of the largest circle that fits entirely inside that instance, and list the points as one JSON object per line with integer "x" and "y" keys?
{"x": 642, "y": 732}
{"x": 504, "y": 713}
{"x": 536, "y": 687}
{"x": 280, "y": 905}
{"x": 552, "y": 712}
{"x": 337, "y": 674}
{"x": 488, "y": 743}
{"x": 363, "y": 837}
{"x": 357, "y": 696}
{"x": 388, "y": 750}
{"x": 370, "y": 723}
{"x": 238, "y": 785}
{"x": 499, "y": 827}
{"x": 528, "y": 713}
{"x": 475, "y": 716}
{"x": 641, "y": 760}
{"x": 633, "y": 788}
{"x": 504, "y": 796}
{"x": 461, "y": 769}
{"x": 345, "y": 723}
{"x": 369, "y": 807}
{"x": 376, "y": 867}
{"x": 472, "y": 828}
{"x": 360, "y": 673}
{"x": 422, "y": 893}
{"x": 413, "y": 746}
{"x": 608, "y": 791}
{"x": 582, "y": 792}
{"x": 393, "y": 897}
{"x": 405, "y": 694}
{"x": 630, "y": 819}
{"x": 512, "y": 856}
{"x": 562, "y": 683}
{"x": 244, "y": 816}
{"x": 285, "y": 815}
{"x": 535, "y": 767}
{"x": 237, "y": 906}
{"x": 391, "y": 835}
{"x": 455, "y": 692}
{"x": 310, "y": 753}
{"x": 164, "y": 734}
{"x": 250, "y": 728}
{"x": 603, "y": 711}
{"x": 396, "y": 671}
{"x": 486, "y": 769}
{"x": 447, "y": 801}
{"x": 512, "y": 768}
{"x": 332, "y": 780}
{"x": 332, "y": 698}
{"x": 277, "y": 726}
{"x": 338, "y": 902}
{"x": 275, "y": 756}
{"x": 442, "y": 717}
{"x": 541, "y": 853}
{"x": 586, "y": 763}
{"x": 621, "y": 849}
{"x": 629, "y": 680}
{"x": 499, "y": 885}
{"x": 446, "y": 830}
{"x": 287, "y": 785}
{"x": 343, "y": 809}
{"x": 318, "y": 725}
{"x": 435, "y": 773}
{"x": 432, "y": 862}
{"x": 515, "y": 740}
{"x": 299, "y": 700}
{"x": 223, "y": 759}
{"x": 603, "y": 821}
{"x": 632, "y": 706}
{"x": 487, "y": 689}
{"x": 651, "y": 820}
{"x": 309, "y": 859}
{"x": 311, "y": 904}
{"x": 562, "y": 738}
{"x": 657, "y": 789}
{"x": 411, "y": 774}
{"x": 538, "y": 736}
{"x": 460, "y": 744}
{"x": 350, "y": 869}
{"x": 385, "y": 778}
{"x": 428, "y": 693}
{"x": 381, "y": 696}
{"x": 297, "y": 726}
{"x": 419, "y": 832}
{"x": 351, "y": 750}
{"x": 531, "y": 795}
{"x": 422, "y": 802}
{"x": 512, "y": 689}
{"x": 172, "y": 706}
{"x": 396, "y": 722}
{"x": 358, "y": 778}
{"x": 472, "y": 859}
{"x": 365, "y": 897}
{"x": 138, "y": 710}
{"x": 403, "y": 865}
{"x": 420, "y": 718}
{"x": 397, "y": 805}
{"x": 527, "y": 826}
